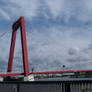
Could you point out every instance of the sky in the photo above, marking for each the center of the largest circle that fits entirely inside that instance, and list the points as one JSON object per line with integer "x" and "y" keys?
{"x": 58, "y": 33}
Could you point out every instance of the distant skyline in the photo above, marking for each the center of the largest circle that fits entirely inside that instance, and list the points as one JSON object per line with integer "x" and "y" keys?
{"x": 59, "y": 32}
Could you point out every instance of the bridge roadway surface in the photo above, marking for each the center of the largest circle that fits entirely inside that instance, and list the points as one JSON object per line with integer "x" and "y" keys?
{"x": 38, "y": 73}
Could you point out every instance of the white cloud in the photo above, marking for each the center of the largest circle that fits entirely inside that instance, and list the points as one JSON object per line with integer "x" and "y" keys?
{"x": 74, "y": 51}
{"x": 4, "y": 15}
{"x": 80, "y": 10}
{"x": 51, "y": 50}
{"x": 27, "y": 8}
{"x": 55, "y": 7}
{"x": 50, "y": 47}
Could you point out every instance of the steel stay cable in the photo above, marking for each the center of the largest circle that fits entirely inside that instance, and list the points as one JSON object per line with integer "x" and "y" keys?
{"x": 4, "y": 33}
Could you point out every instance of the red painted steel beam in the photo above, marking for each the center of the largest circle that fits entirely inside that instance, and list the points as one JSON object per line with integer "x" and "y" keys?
{"x": 11, "y": 74}
{"x": 10, "y": 62}
{"x": 49, "y": 72}
{"x": 20, "y": 23}
{"x": 24, "y": 47}
{"x": 58, "y": 72}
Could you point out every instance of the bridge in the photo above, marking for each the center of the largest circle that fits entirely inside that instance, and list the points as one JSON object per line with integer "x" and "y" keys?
{"x": 12, "y": 82}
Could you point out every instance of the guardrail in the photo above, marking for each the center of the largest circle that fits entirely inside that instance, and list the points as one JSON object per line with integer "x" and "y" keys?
{"x": 73, "y": 85}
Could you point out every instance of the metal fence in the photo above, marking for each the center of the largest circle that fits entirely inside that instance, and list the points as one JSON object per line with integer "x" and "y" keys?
{"x": 47, "y": 86}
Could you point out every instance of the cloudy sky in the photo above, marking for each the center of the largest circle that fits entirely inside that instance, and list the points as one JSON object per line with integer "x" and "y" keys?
{"x": 58, "y": 33}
